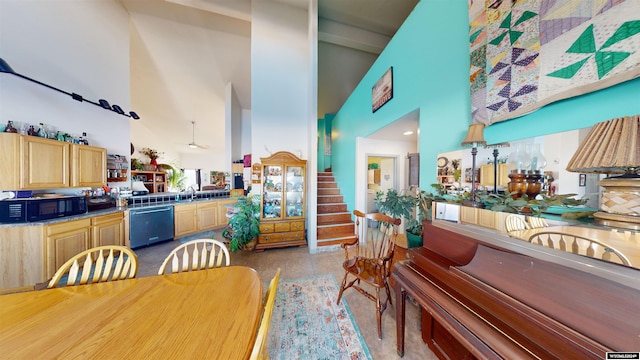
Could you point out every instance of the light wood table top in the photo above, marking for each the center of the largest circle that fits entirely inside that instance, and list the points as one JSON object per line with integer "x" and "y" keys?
{"x": 627, "y": 242}
{"x": 206, "y": 314}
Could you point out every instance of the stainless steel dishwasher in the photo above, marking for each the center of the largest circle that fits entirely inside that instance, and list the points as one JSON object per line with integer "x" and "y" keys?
{"x": 150, "y": 225}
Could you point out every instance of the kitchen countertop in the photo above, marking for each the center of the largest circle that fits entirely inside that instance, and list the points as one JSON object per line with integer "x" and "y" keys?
{"x": 151, "y": 204}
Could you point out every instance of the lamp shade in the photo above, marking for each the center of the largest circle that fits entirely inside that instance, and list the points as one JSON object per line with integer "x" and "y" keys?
{"x": 474, "y": 136}
{"x": 611, "y": 147}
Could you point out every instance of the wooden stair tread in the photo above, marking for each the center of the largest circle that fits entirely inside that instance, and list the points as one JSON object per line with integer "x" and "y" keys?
{"x": 334, "y": 225}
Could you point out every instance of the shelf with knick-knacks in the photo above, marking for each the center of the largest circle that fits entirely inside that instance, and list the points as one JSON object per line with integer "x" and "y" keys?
{"x": 117, "y": 168}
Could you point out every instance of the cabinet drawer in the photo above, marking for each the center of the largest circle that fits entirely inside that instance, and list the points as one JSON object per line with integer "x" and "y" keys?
{"x": 281, "y": 237}
{"x": 297, "y": 226}
{"x": 184, "y": 207}
{"x": 103, "y": 219}
{"x": 266, "y": 228}
{"x": 281, "y": 227}
{"x": 68, "y": 226}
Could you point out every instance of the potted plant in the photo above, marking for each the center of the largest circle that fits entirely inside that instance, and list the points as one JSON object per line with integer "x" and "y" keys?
{"x": 175, "y": 178}
{"x": 244, "y": 226}
{"x": 153, "y": 155}
{"x": 402, "y": 205}
{"x": 395, "y": 204}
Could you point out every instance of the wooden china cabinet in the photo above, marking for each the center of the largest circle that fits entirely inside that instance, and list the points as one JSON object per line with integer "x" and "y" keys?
{"x": 283, "y": 201}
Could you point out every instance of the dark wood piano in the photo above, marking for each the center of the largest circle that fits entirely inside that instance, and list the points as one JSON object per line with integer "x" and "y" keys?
{"x": 486, "y": 296}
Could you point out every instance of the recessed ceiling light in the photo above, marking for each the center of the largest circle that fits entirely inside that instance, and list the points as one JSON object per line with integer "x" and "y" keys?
{"x": 407, "y": 132}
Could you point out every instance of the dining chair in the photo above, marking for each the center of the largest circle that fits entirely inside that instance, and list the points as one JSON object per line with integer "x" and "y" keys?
{"x": 579, "y": 245}
{"x": 260, "y": 350}
{"x": 515, "y": 222}
{"x": 99, "y": 264}
{"x": 196, "y": 255}
{"x": 536, "y": 222}
{"x": 368, "y": 258}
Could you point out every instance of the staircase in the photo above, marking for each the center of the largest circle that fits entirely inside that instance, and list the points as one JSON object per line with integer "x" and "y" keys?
{"x": 334, "y": 220}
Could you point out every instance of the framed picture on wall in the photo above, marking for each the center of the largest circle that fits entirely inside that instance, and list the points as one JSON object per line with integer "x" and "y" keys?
{"x": 583, "y": 180}
{"x": 382, "y": 90}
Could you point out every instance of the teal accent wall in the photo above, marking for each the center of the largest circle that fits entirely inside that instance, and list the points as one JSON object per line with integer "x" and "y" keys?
{"x": 430, "y": 59}
{"x": 324, "y": 133}
{"x": 321, "y": 139}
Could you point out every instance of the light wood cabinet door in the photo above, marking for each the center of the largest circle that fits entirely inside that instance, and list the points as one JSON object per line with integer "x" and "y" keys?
{"x": 21, "y": 257}
{"x": 108, "y": 230}
{"x": 88, "y": 166}
{"x": 65, "y": 240}
{"x": 45, "y": 163}
{"x": 207, "y": 216}
{"x": 486, "y": 175}
{"x": 10, "y": 161}
{"x": 222, "y": 211}
{"x": 185, "y": 220}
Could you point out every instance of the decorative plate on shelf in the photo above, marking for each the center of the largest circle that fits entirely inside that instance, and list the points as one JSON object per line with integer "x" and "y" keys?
{"x": 442, "y": 162}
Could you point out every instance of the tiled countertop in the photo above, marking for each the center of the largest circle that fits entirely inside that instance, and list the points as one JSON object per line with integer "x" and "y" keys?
{"x": 149, "y": 201}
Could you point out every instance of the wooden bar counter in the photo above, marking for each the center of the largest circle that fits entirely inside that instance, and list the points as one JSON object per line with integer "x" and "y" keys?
{"x": 206, "y": 314}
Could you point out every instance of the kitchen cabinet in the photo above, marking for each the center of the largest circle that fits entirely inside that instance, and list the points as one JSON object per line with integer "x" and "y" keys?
{"x": 21, "y": 257}
{"x": 194, "y": 217}
{"x": 108, "y": 230}
{"x": 154, "y": 181}
{"x": 223, "y": 209}
{"x": 10, "y": 161}
{"x": 32, "y": 253}
{"x": 283, "y": 201}
{"x": 184, "y": 219}
{"x": 207, "y": 213}
{"x": 486, "y": 175}
{"x": 34, "y": 163}
{"x": 88, "y": 166}
{"x": 45, "y": 163}
{"x": 63, "y": 241}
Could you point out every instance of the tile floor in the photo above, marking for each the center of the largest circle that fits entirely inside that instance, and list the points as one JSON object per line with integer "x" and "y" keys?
{"x": 298, "y": 262}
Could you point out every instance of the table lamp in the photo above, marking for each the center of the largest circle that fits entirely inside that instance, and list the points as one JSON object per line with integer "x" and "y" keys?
{"x": 474, "y": 138}
{"x": 496, "y": 152}
{"x": 613, "y": 147}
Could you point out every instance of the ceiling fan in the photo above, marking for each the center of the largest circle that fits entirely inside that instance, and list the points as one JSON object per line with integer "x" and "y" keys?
{"x": 193, "y": 144}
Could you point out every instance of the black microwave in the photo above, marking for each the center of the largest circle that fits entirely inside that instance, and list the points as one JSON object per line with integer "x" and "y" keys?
{"x": 37, "y": 209}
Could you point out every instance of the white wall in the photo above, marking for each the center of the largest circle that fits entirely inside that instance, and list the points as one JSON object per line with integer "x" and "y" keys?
{"x": 279, "y": 60}
{"x": 382, "y": 148}
{"x": 76, "y": 46}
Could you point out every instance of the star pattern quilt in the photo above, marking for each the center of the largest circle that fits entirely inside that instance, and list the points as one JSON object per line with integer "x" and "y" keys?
{"x": 528, "y": 53}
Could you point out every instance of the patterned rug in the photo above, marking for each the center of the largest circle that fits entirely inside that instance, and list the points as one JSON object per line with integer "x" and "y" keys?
{"x": 307, "y": 323}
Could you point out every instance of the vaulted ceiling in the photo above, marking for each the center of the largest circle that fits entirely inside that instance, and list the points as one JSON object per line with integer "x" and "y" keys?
{"x": 184, "y": 53}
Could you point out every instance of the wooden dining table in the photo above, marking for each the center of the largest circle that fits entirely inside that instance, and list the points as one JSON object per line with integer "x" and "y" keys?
{"x": 627, "y": 242}
{"x": 205, "y": 314}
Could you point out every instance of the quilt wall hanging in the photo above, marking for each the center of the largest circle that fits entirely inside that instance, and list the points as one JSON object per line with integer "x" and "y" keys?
{"x": 528, "y": 53}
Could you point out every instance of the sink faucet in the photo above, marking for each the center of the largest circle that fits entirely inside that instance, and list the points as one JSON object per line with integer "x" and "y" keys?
{"x": 193, "y": 191}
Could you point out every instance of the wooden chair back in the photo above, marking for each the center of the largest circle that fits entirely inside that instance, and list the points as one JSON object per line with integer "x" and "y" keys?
{"x": 376, "y": 235}
{"x": 260, "y": 350}
{"x": 515, "y": 222}
{"x": 368, "y": 258}
{"x": 536, "y": 222}
{"x": 99, "y": 264}
{"x": 196, "y": 255}
{"x": 579, "y": 245}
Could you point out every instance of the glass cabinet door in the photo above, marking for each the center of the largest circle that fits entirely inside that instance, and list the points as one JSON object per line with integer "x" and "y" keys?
{"x": 294, "y": 191}
{"x": 272, "y": 192}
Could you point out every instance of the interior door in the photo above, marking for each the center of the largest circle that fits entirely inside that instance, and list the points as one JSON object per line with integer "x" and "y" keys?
{"x": 387, "y": 173}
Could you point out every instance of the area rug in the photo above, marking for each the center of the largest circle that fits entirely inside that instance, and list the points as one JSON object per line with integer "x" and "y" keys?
{"x": 307, "y": 323}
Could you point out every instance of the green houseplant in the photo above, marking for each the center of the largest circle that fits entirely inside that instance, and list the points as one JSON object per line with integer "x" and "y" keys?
{"x": 244, "y": 226}
{"x": 407, "y": 207}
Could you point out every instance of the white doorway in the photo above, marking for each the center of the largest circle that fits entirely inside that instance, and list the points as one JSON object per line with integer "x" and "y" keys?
{"x": 381, "y": 176}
